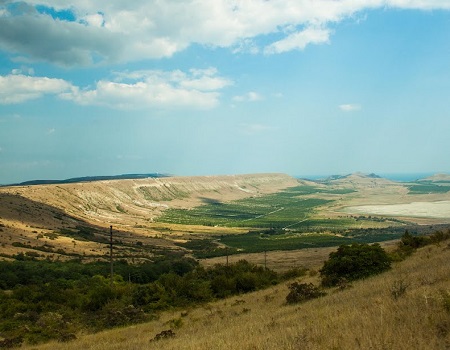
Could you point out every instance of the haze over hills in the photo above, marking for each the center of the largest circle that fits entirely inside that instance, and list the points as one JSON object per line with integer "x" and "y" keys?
{"x": 89, "y": 179}
{"x": 433, "y": 178}
{"x": 437, "y": 178}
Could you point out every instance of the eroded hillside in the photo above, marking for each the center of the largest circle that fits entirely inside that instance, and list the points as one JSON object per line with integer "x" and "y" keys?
{"x": 134, "y": 202}
{"x": 31, "y": 215}
{"x": 73, "y": 219}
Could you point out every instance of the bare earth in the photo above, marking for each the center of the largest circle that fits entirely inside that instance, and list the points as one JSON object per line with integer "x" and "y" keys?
{"x": 440, "y": 210}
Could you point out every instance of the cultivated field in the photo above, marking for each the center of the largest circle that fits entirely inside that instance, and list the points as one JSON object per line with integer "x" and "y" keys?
{"x": 213, "y": 216}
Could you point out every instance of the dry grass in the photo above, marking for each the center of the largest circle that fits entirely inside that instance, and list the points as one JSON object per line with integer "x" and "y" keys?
{"x": 309, "y": 258}
{"x": 281, "y": 261}
{"x": 366, "y": 316}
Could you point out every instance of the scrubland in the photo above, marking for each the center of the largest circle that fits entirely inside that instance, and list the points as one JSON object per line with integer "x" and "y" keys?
{"x": 407, "y": 307}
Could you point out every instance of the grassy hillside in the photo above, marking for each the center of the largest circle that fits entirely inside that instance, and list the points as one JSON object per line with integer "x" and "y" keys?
{"x": 407, "y": 308}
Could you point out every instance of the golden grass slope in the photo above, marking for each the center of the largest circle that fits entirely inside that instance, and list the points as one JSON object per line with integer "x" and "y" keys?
{"x": 365, "y": 316}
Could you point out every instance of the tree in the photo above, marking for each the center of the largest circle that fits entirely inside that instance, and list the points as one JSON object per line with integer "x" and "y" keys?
{"x": 352, "y": 262}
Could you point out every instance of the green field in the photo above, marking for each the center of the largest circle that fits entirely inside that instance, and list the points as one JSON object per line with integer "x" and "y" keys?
{"x": 271, "y": 239}
{"x": 284, "y": 209}
{"x": 425, "y": 188}
{"x": 286, "y": 220}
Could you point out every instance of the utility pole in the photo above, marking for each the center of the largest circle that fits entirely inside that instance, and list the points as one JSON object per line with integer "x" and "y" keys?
{"x": 111, "y": 253}
{"x": 226, "y": 249}
{"x": 265, "y": 260}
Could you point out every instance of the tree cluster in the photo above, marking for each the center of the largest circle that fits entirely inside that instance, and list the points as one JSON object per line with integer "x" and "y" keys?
{"x": 42, "y": 300}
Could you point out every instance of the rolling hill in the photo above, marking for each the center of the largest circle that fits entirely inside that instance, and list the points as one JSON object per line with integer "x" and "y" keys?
{"x": 52, "y": 215}
{"x": 71, "y": 219}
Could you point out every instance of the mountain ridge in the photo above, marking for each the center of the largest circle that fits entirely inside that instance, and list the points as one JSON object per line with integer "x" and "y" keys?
{"x": 88, "y": 179}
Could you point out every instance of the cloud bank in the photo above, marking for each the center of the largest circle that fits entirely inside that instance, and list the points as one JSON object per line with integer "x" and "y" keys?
{"x": 81, "y": 33}
{"x": 198, "y": 88}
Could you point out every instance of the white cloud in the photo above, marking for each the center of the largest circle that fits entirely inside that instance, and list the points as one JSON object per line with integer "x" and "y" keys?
{"x": 199, "y": 88}
{"x": 419, "y": 4}
{"x": 51, "y": 131}
{"x": 154, "y": 89}
{"x": 299, "y": 40}
{"x": 118, "y": 30}
{"x": 20, "y": 88}
{"x": 248, "y": 97}
{"x": 350, "y": 107}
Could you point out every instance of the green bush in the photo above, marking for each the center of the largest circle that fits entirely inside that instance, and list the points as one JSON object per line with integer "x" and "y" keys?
{"x": 300, "y": 292}
{"x": 352, "y": 262}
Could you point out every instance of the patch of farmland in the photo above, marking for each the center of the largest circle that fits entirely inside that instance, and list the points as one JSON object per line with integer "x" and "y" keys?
{"x": 283, "y": 209}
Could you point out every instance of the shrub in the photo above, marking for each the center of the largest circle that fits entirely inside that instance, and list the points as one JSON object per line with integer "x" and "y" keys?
{"x": 445, "y": 294}
{"x": 293, "y": 273}
{"x": 398, "y": 289}
{"x": 115, "y": 314}
{"x": 408, "y": 241}
{"x": 300, "y": 292}
{"x": 352, "y": 262}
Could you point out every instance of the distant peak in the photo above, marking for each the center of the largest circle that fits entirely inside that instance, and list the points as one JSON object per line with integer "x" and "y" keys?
{"x": 441, "y": 177}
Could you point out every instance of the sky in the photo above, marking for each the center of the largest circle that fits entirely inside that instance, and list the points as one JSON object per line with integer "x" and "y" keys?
{"x": 212, "y": 87}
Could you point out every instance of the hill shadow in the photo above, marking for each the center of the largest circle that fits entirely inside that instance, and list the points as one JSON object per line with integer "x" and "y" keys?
{"x": 27, "y": 211}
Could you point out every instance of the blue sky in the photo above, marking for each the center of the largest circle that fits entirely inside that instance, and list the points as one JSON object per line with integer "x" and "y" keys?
{"x": 301, "y": 87}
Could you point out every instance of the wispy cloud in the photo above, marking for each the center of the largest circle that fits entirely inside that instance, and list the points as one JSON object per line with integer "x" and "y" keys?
{"x": 350, "y": 107}
{"x": 299, "y": 40}
{"x": 85, "y": 32}
{"x": 23, "y": 70}
{"x": 251, "y": 96}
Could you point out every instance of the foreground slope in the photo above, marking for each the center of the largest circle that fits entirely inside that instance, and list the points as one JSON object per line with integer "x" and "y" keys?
{"x": 405, "y": 308}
